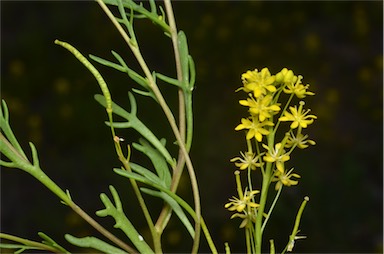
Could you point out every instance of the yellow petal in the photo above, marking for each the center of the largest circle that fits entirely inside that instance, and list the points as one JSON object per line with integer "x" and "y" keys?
{"x": 295, "y": 124}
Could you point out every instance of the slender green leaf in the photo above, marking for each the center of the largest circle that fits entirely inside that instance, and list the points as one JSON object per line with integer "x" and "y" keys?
{"x": 135, "y": 123}
{"x": 122, "y": 222}
{"x": 6, "y": 128}
{"x": 115, "y": 108}
{"x": 49, "y": 241}
{"x": 95, "y": 243}
{"x": 157, "y": 159}
{"x": 169, "y": 80}
{"x": 153, "y": 16}
{"x": 142, "y": 179}
{"x": 147, "y": 174}
{"x": 145, "y": 93}
{"x": 175, "y": 206}
{"x": 107, "y": 63}
{"x": 131, "y": 73}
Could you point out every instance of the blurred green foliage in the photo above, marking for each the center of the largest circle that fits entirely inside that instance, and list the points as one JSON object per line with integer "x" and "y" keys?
{"x": 336, "y": 46}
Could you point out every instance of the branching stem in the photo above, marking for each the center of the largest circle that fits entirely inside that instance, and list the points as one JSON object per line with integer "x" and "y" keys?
{"x": 136, "y": 51}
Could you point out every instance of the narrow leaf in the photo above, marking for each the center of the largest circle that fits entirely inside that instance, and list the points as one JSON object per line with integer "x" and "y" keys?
{"x": 175, "y": 206}
{"x": 95, "y": 243}
{"x": 107, "y": 63}
{"x": 122, "y": 222}
{"x": 136, "y": 124}
{"x": 49, "y": 241}
{"x": 157, "y": 160}
{"x": 147, "y": 174}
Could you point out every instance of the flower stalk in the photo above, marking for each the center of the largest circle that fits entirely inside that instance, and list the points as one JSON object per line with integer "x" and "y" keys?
{"x": 266, "y": 92}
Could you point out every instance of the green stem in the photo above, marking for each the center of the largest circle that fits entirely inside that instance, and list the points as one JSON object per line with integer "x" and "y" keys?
{"x": 247, "y": 240}
{"x": 35, "y": 170}
{"x": 27, "y": 242}
{"x": 185, "y": 104}
{"x": 260, "y": 210}
{"x": 52, "y": 186}
{"x": 156, "y": 236}
{"x": 271, "y": 208}
{"x": 136, "y": 51}
{"x": 189, "y": 209}
{"x": 282, "y": 112}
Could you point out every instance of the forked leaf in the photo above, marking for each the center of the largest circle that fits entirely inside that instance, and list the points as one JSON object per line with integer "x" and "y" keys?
{"x": 131, "y": 73}
{"x": 6, "y": 128}
{"x": 49, "y": 241}
{"x": 122, "y": 222}
{"x": 135, "y": 123}
{"x": 151, "y": 15}
{"x": 146, "y": 173}
{"x": 157, "y": 160}
{"x": 142, "y": 179}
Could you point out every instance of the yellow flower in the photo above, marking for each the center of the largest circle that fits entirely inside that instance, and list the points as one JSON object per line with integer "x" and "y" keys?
{"x": 248, "y": 160}
{"x": 286, "y": 76}
{"x": 248, "y": 218}
{"x": 300, "y": 141}
{"x": 255, "y": 128}
{"x": 239, "y": 204}
{"x": 261, "y": 106}
{"x": 276, "y": 155}
{"x": 298, "y": 117}
{"x": 284, "y": 178}
{"x": 298, "y": 88}
{"x": 258, "y": 82}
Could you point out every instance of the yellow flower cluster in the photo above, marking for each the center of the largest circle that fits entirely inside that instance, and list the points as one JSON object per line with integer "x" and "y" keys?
{"x": 264, "y": 102}
{"x": 264, "y": 89}
{"x": 269, "y": 107}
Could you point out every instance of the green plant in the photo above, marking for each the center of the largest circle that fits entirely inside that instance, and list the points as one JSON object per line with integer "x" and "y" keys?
{"x": 163, "y": 178}
{"x": 265, "y": 94}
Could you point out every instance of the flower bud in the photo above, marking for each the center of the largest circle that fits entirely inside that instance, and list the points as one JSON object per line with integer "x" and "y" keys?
{"x": 286, "y": 76}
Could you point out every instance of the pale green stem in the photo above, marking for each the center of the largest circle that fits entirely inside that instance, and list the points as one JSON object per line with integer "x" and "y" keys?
{"x": 295, "y": 230}
{"x": 165, "y": 212}
{"x": 252, "y": 236}
{"x": 35, "y": 171}
{"x": 27, "y": 242}
{"x": 135, "y": 50}
{"x": 261, "y": 160}
{"x": 271, "y": 208}
{"x": 238, "y": 184}
{"x": 272, "y": 246}
{"x": 136, "y": 189}
{"x": 247, "y": 240}
{"x": 44, "y": 179}
{"x": 188, "y": 208}
{"x": 260, "y": 212}
{"x": 282, "y": 112}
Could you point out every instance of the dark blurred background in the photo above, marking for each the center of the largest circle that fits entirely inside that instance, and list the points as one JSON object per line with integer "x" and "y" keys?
{"x": 336, "y": 46}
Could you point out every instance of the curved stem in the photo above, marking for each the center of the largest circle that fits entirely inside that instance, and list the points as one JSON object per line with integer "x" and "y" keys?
{"x": 136, "y": 51}
{"x": 27, "y": 242}
{"x": 144, "y": 208}
{"x": 271, "y": 208}
{"x": 52, "y": 186}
